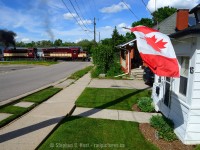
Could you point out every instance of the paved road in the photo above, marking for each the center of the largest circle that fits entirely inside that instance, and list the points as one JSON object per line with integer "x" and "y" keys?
{"x": 26, "y": 79}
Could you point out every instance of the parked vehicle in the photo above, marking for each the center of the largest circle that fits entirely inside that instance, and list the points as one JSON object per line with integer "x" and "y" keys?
{"x": 148, "y": 76}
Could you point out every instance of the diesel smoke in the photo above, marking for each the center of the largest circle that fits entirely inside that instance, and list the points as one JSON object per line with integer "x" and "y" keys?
{"x": 7, "y": 37}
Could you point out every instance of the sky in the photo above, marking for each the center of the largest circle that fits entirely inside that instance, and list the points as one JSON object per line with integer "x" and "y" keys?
{"x": 73, "y": 20}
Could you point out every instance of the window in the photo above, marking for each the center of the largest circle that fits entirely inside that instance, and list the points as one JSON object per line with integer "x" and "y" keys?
{"x": 167, "y": 91}
{"x": 184, "y": 63}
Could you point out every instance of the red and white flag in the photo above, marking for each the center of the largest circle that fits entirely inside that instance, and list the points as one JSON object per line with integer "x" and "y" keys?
{"x": 156, "y": 51}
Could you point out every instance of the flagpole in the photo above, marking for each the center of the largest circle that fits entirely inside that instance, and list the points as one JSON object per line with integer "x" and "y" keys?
{"x": 156, "y": 18}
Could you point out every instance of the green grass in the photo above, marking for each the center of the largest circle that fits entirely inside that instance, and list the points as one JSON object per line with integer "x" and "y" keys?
{"x": 105, "y": 98}
{"x": 28, "y": 62}
{"x": 80, "y": 73}
{"x": 197, "y": 147}
{"x": 88, "y": 133}
{"x": 41, "y": 96}
{"x": 37, "y": 98}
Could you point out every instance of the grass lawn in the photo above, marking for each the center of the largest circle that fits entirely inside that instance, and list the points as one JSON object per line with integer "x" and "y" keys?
{"x": 108, "y": 98}
{"x": 37, "y": 98}
{"x": 88, "y": 133}
{"x": 28, "y": 62}
{"x": 41, "y": 96}
{"x": 80, "y": 73}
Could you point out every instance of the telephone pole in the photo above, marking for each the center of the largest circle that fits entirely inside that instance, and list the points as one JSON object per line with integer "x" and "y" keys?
{"x": 94, "y": 30}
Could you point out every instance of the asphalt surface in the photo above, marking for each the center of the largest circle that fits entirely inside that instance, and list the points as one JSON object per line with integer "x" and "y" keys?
{"x": 16, "y": 80}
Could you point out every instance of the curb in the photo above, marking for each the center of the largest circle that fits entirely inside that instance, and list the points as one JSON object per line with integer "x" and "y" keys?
{"x": 12, "y": 100}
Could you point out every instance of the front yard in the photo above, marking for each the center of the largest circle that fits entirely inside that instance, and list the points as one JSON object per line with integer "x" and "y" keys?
{"x": 87, "y": 133}
{"x": 110, "y": 98}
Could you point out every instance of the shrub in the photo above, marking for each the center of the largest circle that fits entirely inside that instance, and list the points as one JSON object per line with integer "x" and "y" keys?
{"x": 145, "y": 104}
{"x": 164, "y": 126}
{"x": 95, "y": 72}
{"x": 103, "y": 56}
{"x": 115, "y": 69}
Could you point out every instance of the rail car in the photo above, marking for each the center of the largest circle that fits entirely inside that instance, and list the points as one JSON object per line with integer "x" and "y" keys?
{"x": 15, "y": 53}
{"x": 70, "y": 53}
{"x": 55, "y": 53}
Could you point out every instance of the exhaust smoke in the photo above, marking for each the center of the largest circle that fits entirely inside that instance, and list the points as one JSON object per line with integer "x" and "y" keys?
{"x": 7, "y": 37}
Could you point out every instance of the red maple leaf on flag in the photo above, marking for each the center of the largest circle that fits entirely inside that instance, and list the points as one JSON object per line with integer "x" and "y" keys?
{"x": 156, "y": 45}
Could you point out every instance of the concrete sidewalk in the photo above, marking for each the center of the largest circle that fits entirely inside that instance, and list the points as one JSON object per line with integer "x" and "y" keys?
{"x": 140, "y": 117}
{"x": 28, "y": 131}
{"x": 124, "y": 84}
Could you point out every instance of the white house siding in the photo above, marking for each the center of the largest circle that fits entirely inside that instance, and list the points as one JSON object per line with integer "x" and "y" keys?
{"x": 179, "y": 112}
{"x": 184, "y": 111}
{"x": 193, "y": 128}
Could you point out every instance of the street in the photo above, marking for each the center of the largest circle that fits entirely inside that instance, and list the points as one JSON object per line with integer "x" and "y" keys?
{"x": 15, "y": 81}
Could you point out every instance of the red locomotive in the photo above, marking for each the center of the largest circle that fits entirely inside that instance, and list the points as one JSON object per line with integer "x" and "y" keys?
{"x": 56, "y": 53}
{"x": 72, "y": 53}
{"x": 20, "y": 53}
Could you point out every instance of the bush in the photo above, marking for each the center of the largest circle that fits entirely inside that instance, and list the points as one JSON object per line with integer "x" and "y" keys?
{"x": 145, "y": 104}
{"x": 164, "y": 126}
{"x": 115, "y": 69}
{"x": 103, "y": 56}
{"x": 95, "y": 72}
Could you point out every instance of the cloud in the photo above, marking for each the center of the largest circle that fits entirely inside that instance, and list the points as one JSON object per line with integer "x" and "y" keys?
{"x": 78, "y": 40}
{"x": 69, "y": 16}
{"x": 114, "y": 8}
{"x": 121, "y": 25}
{"x": 185, "y": 4}
{"x": 81, "y": 22}
{"x": 25, "y": 40}
{"x": 121, "y": 29}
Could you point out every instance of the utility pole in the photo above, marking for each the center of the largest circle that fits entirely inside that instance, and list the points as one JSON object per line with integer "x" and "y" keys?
{"x": 99, "y": 37}
{"x": 94, "y": 30}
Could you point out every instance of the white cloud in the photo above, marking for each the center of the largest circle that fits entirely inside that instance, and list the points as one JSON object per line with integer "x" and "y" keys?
{"x": 121, "y": 29}
{"x": 78, "y": 40}
{"x": 121, "y": 25}
{"x": 114, "y": 8}
{"x": 25, "y": 40}
{"x": 81, "y": 22}
{"x": 185, "y": 4}
{"x": 69, "y": 16}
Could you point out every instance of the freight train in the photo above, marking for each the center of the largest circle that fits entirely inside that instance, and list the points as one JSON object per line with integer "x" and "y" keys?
{"x": 54, "y": 53}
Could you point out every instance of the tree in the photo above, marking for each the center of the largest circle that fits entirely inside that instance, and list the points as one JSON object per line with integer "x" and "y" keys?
{"x": 129, "y": 36}
{"x": 58, "y": 42}
{"x": 86, "y": 45}
{"x": 144, "y": 21}
{"x": 107, "y": 41}
{"x": 163, "y": 13}
{"x": 117, "y": 39}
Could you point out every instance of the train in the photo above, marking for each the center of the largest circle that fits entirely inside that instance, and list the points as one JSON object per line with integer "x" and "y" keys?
{"x": 52, "y": 53}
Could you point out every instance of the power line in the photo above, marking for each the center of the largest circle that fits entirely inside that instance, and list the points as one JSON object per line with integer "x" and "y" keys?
{"x": 78, "y": 14}
{"x": 80, "y": 11}
{"x": 74, "y": 17}
{"x": 130, "y": 10}
{"x": 146, "y": 6}
{"x": 83, "y": 5}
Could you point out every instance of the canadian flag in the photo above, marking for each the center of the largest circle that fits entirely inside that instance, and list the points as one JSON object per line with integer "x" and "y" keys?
{"x": 156, "y": 51}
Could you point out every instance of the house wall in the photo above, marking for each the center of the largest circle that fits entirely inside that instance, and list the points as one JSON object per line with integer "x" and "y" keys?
{"x": 125, "y": 63}
{"x": 193, "y": 127}
{"x": 183, "y": 110}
